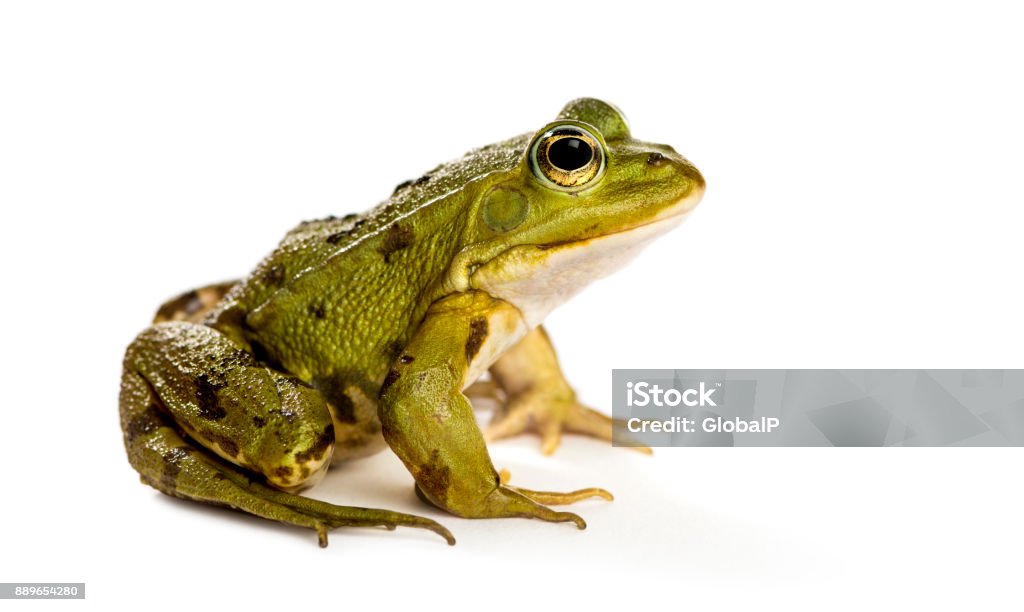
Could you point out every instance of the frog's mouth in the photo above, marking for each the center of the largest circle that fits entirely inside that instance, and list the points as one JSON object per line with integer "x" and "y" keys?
{"x": 649, "y": 230}
{"x": 538, "y": 277}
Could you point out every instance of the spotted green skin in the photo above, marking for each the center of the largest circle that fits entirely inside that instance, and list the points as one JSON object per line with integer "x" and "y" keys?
{"x": 363, "y": 330}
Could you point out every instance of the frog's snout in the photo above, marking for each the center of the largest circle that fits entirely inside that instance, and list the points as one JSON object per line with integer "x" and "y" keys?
{"x": 687, "y": 181}
{"x": 697, "y": 181}
{"x": 695, "y": 192}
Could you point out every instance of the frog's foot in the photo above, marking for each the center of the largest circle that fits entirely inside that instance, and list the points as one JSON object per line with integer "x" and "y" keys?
{"x": 555, "y": 499}
{"x": 507, "y": 501}
{"x": 538, "y": 398}
{"x": 549, "y": 413}
{"x": 237, "y": 491}
{"x": 206, "y": 480}
{"x": 173, "y": 466}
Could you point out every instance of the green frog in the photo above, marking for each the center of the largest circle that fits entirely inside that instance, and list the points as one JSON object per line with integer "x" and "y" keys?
{"x": 369, "y": 331}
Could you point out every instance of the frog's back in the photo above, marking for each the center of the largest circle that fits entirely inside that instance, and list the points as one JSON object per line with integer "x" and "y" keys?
{"x": 343, "y": 293}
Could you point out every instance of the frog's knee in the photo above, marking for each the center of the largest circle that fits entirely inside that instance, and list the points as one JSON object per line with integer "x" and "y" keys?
{"x": 297, "y": 457}
{"x": 290, "y": 455}
{"x": 302, "y": 467}
{"x": 235, "y": 407}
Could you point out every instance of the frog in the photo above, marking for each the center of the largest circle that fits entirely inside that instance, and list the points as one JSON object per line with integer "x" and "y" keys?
{"x": 373, "y": 331}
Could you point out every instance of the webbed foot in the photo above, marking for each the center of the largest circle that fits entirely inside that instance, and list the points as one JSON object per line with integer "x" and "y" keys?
{"x": 510, "y": 501}
{"x": 556, "y": 499}
{"x": 549, "y": 414}
{"x": 534, "y": 396}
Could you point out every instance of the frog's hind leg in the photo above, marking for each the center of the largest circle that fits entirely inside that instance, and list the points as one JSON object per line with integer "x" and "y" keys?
{"x": 537, "y": 397}
{"x": 193, "y": 305}
{"x": 180, "y": 407}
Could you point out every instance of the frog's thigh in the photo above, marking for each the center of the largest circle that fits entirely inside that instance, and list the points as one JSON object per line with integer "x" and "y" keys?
{"x": 429, "y": 423}
{"x": 247, "y": 413}
{"x": 180, "y": 467}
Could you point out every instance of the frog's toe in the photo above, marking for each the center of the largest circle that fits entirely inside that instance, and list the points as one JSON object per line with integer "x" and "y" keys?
{"x": 550, "y": 416}
{"x": 589, "y": 422}
{"x": 506, "y": 501}
{"x": 535, "y": 412}
{"x": 553, "y": 498}
{"x": 201, "y": 478}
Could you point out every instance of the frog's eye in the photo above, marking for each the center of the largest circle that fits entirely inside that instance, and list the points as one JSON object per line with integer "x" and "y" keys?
{"x": 567, "y": 157}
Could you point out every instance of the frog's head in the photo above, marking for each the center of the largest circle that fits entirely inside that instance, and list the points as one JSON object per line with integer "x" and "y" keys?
{"x": 583, "y": 199}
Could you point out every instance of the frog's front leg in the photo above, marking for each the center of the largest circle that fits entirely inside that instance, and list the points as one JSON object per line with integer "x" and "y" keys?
{"x": 538, "y": 397}
{"x": 429, "y": 423}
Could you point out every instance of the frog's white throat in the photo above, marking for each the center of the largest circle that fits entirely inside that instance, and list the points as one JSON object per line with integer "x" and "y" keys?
{"x": 535, "y": 279}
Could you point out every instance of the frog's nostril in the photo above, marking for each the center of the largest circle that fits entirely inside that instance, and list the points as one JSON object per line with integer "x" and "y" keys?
{"x": 655, "y": 159}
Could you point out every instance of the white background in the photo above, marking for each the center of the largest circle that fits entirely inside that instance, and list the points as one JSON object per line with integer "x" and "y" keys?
{"x": 864, "y": 210}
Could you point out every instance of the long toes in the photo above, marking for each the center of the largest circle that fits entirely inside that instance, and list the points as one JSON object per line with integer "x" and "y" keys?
{"x": 589, "y": 422}
{"x": 551, "y": 421}
{"x": 326, "y": 516}
{"x": 566, "y": 517}
{"x": 437, "y": 528}
{"x": 564, "y": 499}
{"x": 551, "y": 436}
{"x": 322, "y": 527}
{"x": 512, "y": 501}
{"x": 628, "y": 442}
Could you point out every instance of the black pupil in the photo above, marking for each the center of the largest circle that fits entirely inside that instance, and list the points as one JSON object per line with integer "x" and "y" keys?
{"x": 570, "y": 154}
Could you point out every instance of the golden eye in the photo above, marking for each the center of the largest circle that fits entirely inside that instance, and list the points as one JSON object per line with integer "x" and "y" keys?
{"x": 567, "y": 157}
